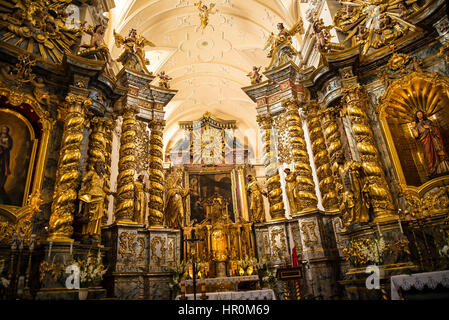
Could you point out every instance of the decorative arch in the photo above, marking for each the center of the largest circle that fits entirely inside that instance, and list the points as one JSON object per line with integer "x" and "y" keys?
{"x": 402, "y": 99}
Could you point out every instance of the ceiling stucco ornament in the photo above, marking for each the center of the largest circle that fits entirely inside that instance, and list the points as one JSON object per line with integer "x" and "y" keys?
{"x": 206, "y": 47}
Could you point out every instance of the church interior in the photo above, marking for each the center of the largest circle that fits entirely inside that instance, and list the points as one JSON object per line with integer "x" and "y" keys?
{"x": 224, "y": 149}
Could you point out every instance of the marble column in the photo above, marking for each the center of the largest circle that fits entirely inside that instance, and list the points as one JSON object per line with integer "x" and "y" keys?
{"x": 242, "y": 188}
{"x": 321, "y": 159}
{"x": 354, "y": 101}
{"x": 304, "y": 177}
{"x": 156, "y": 174}
{"x": 124, "y": 212}
{"x": 65, "y": 194}
{"x": 273, "y": 182}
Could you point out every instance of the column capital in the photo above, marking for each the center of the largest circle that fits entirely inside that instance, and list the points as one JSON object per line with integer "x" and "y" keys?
{"x": 265, "y": 121}
{"x": 157, "y": 124}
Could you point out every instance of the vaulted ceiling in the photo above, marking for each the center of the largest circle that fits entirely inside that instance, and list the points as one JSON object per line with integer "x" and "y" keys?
{"x": 208, "y": 66}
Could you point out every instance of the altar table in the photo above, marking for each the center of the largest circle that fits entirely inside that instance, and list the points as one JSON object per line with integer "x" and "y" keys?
{"x": 233, "y": 280}
{"x": 418, "y": 281}
{"x": 263, "y": 294}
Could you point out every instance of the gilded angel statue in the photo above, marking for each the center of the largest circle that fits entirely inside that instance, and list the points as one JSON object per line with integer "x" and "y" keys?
{"x": 134, "y": 43}
{"x": 281, "y": 49}
{"x": 204, "y": 12}
{"x": 284, "y": 36}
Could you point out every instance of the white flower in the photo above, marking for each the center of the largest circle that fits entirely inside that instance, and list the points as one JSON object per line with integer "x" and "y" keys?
{"x": 4, "y": 282}
{"x": 445, "y": 251}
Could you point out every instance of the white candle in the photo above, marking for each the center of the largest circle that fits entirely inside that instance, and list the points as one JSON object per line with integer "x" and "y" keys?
{"x": 71, "y": 246}
{"x": 378, "y": 228}
{"x": 400, "y": 226}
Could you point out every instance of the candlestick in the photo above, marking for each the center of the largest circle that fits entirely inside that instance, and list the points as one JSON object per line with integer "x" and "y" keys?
{"x": 49, "y": 249}
{"x": 400, "y": 226}
{"x": 203, "y": 289}
{"x": 183, "y": 290}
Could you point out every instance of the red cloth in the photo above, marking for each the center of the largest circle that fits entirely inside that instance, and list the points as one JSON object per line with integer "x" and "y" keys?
{"x": 294, "y": 258}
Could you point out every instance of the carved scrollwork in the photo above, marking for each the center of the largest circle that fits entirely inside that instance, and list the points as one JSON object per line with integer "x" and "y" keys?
{"x": 308, "y": 230}
{"x": 45, "y": 23}
{"x": 154, "y": 242}
{"x": 126, "y": 241}
{"x": 275, "y": 235}
{"x": 432, "y": 203}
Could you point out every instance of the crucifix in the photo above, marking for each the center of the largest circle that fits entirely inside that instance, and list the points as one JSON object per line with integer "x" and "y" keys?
{"x": 193, "y": 240}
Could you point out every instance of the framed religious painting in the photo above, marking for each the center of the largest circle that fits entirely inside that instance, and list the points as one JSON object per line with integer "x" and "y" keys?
{"x": 204, "y": 185}
{"x": 24, "y": 136}
{"x": 18, "y": 145}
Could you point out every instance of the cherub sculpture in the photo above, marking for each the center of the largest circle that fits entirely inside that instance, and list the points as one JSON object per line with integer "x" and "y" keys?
{"x": 39, "y": 92}
{"x": 164, "y": 80}
{"x": 255, "y": 76}
{"x": 204, "y": 12}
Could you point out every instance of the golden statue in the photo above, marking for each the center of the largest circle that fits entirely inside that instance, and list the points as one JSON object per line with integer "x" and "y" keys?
{"x": 291, "y": 188}
{"x": 322, "y": 35}
{"x": 429, "y": 136}
{"x": 354, "y": 200}
{"x": 174, "y": 204}
{"x": 92, "y": 194}
{"x": 281, "y": 45}
{"x": 374, "y": 23}
{"x": 255, "y": 76}
{"x": 204, "y": 12}
{"x": 133, "y": 44}
{"x": 256, "y": 192}
{"x": 140, "y": 201}
{"x": 97, "y": 43}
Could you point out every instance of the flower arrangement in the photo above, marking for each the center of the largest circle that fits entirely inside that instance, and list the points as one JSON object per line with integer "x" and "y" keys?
{"x": 4, "y": 283}
{"x": 91, "y": 269}
{"x": 444, "y": 250}
{"x": 178, "y": 269}
{"x": 363, "y": 251}
{"x": 246, "y": 263}
{"x": 267, "y": 277}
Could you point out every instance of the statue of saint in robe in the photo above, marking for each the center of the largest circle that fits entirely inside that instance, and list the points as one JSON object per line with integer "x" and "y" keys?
{"x": 140, "y": 201}
{"x": 354, "y": 199}
{"x": 429, "y": 136}
{"x": 174, "y": 204}
{"x": 92, "y": 195}
{"x": 256, "y": 192}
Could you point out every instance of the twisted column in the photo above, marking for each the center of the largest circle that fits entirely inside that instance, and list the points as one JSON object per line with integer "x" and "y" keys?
{"x": 303, "y": 171}
{"x": 321, "y": 159}
{"x": 271, "y": 169}
{"x": 65, "y": 194}
{"x": 353, "y": 101}
{"x": 156, "y": 174}
{"x": 97, "y": 142}
{"x": 124, "y": 211}
{"x": 107, "y": 161}
{"x": 331, "y": 134}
